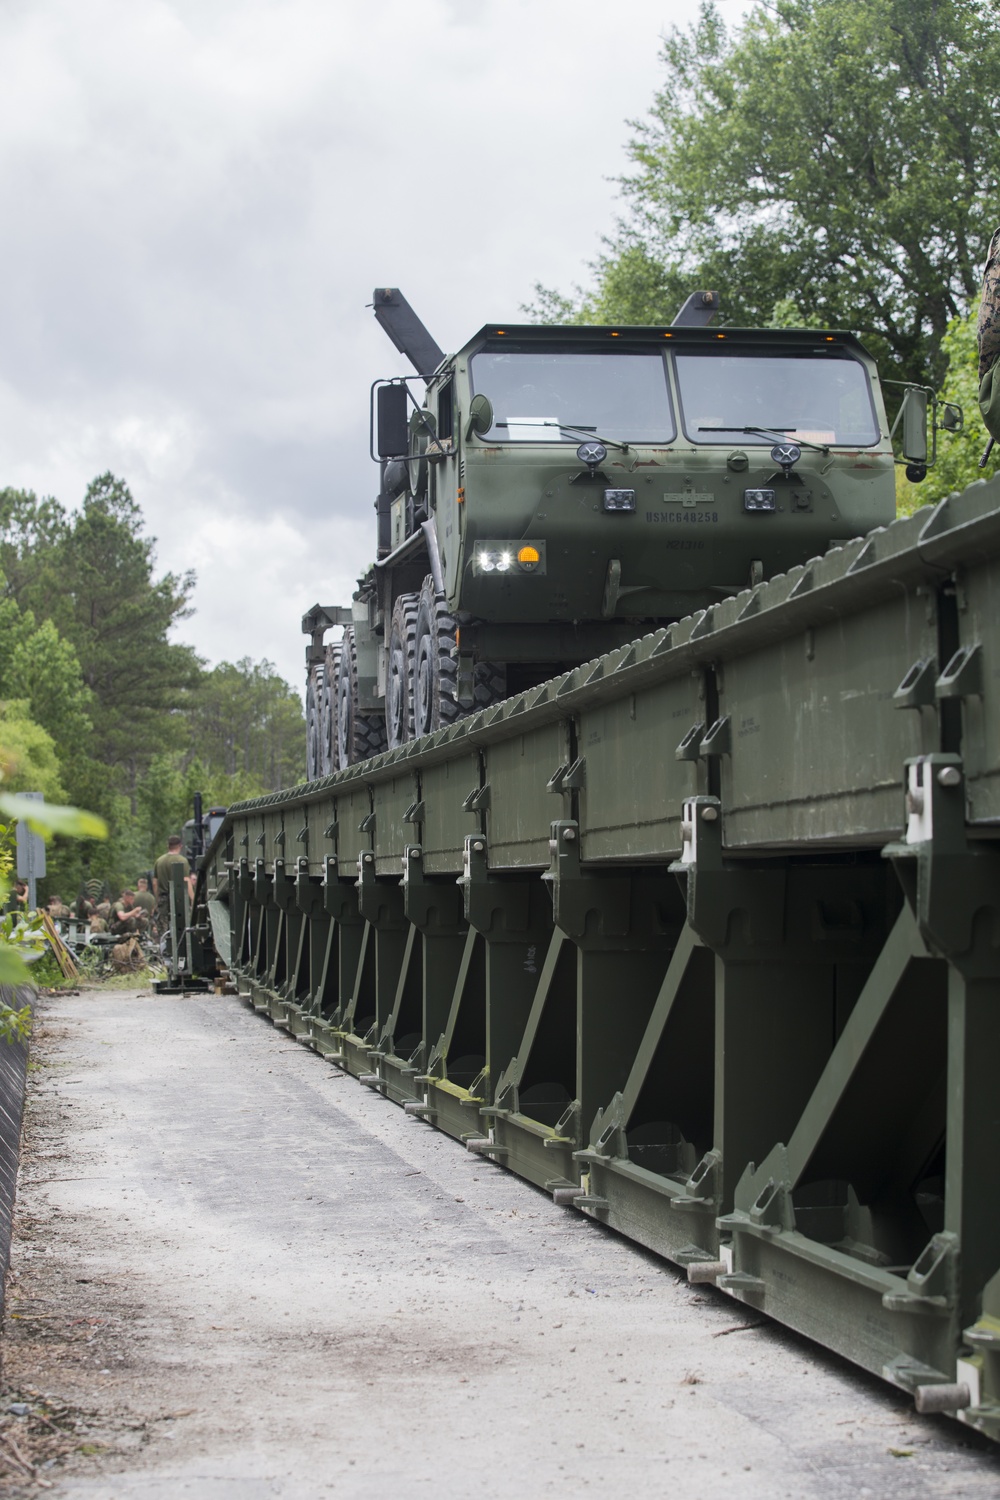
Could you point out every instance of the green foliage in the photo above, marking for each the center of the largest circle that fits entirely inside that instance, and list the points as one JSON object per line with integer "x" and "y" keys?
{"x": 100, "y": 707}
{"x": 43, "y": 818}
{"x": 17, "y": 947}
{"x": 246, "y": 721}
{"x": 28, "y": 759}
{"x": 838, "y": 155}
{"x": 957, "y": 457}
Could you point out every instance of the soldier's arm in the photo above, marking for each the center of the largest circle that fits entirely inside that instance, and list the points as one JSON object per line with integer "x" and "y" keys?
{"x": 988, "y": 328}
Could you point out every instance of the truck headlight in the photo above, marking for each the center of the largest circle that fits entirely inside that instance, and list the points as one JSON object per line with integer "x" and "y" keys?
{"x": 759, "y": 500}
{"x": 508, "y": 557}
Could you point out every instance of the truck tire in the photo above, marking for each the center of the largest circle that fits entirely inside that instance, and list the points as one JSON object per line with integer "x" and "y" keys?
{"x": 435, "y": 667}
{"x": 314, "y": 722}
{"x": 489, "y": 684}
{"x": 328, "y": 744}
{"x": 399, "y": 674}
{"x": 359, "y": 735}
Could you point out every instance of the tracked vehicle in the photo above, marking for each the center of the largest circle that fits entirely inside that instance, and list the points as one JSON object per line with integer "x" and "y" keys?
{"x": 550, "y": 493}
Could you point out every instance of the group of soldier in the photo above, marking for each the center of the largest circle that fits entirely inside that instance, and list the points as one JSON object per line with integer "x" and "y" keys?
{"x": 142, "y": 912}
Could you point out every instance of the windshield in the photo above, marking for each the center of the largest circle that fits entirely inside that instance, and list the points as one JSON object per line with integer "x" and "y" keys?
{"x": 534, "y": 392}
{"x": 817, "y": 397}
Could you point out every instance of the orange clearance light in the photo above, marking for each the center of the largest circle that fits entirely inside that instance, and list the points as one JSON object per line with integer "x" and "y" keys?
{"x": 830, "y": 339}
{"x": 668, "y": 335}
{"x": 461, "y": 496}
{"x": 720, "y": 335}
{"x": 616, "y": 335}
{"x": 501, "y": 333}
{"x": 528, "y": 555}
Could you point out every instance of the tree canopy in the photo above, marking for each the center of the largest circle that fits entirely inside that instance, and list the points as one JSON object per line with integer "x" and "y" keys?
{"x": 833, "y": 157}
{"x": 99, "y": 706}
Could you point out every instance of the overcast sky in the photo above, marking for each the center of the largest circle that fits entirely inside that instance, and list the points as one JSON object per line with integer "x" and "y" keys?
{"x": 200, "y": 196}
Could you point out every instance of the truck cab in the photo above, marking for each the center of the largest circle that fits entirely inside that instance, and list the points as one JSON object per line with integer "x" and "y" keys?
{"x": 548, "y": 493}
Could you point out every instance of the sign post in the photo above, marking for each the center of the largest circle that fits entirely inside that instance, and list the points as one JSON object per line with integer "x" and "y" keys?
{"x": 30, "y": 854}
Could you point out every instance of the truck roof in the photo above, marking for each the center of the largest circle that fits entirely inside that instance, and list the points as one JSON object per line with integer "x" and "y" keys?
{"x": 641, "y": 333}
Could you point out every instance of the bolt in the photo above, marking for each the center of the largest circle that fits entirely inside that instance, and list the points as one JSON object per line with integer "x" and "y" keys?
{"x": 949, "y": 776}
{"x": 478, "y": 846}
{"x": 569, "y": 834}
{"x": 709, "y": 814}
{"x": 414, "y": 853}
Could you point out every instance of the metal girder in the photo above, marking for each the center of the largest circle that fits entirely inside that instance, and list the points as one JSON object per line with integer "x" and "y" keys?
{"x": 740, "y": 997}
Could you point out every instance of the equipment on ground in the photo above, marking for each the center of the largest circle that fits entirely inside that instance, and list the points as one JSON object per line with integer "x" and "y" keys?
{"x": 550, "y": 493}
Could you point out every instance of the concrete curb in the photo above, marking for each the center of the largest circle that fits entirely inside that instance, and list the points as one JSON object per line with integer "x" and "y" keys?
{"x": 13, "y": 1082}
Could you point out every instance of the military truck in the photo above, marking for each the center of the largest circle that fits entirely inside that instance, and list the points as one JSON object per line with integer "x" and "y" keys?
{"x": 548, "y": 493}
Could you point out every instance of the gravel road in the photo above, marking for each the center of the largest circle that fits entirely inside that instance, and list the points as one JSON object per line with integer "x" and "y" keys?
{"x": 239, "y": 1274}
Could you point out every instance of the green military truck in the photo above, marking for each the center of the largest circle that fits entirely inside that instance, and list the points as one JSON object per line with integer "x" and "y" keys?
{"x": 549, "y": 493}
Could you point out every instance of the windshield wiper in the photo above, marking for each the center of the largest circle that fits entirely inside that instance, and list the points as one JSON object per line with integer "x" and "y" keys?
{"x": 778, "y": 432}
{"x": 585, "y": 432}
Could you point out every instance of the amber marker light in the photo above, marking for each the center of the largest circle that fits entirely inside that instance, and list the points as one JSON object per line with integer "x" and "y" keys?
{"x": 529, "y": 555}
{"x": 461, "y": 496}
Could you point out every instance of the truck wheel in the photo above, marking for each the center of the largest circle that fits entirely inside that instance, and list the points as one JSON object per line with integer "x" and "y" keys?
{"x": 328, "y": 743}
{"x": 399, "y": 688}
{"x": 489, "y": 684}
{"x": 435, "y": 669}
{"x": 314, "y": 722}
{"x": 359, "y": 735}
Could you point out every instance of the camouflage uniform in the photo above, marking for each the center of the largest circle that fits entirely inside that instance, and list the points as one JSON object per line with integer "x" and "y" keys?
{"x": 989, "y": 309}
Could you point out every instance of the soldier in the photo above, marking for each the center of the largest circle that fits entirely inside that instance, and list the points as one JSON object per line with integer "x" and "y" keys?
{"x": 988, "y": 333}
{"x": 989, "y": 309}
{"x": 128, "y": 916}
{"x": 161, "y": 879}
{"x": 144, "y": 896}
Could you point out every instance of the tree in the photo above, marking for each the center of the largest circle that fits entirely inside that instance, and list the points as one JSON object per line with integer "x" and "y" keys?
{"x": 837, "y": 154}
{"x": 247, "y": 721}
{"x": 957, "y": 457}
{"x": 28, "y": 760}
{"x": 118, "y": 617}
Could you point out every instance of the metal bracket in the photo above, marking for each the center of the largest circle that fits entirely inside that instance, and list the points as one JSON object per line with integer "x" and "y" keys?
{"x": 494, "y": 907}
{"x": 690, "y": 746}
{"x": 963, "y": 676}
{"x": 478, "y": 799}
{"x": 718, "y": 739}
{"x": 951, "y": 884}
{"x": 571, "y": 777}
{"x": 577, "y": 898}
{"x": 917, "y": 688}
{"x": 429, "y": 905}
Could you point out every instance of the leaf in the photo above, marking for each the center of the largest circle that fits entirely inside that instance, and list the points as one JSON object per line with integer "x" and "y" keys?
{"x": 15, "y": 1025}
{"x": 13, "y": 969}
{"x": 46, "y": 819}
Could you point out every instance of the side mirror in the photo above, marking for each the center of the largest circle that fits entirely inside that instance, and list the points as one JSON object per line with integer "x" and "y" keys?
{"x": 480, "y": 416}
{"x": 952, "y": 418}
{"x": 392, "y": 433}
{"x": 914, "y": 415}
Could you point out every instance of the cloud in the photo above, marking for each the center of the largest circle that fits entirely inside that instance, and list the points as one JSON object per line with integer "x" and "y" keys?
{"x": 201, "y": 197}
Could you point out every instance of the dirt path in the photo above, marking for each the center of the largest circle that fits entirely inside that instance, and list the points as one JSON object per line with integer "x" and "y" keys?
{"x": 240, "y": 1274}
